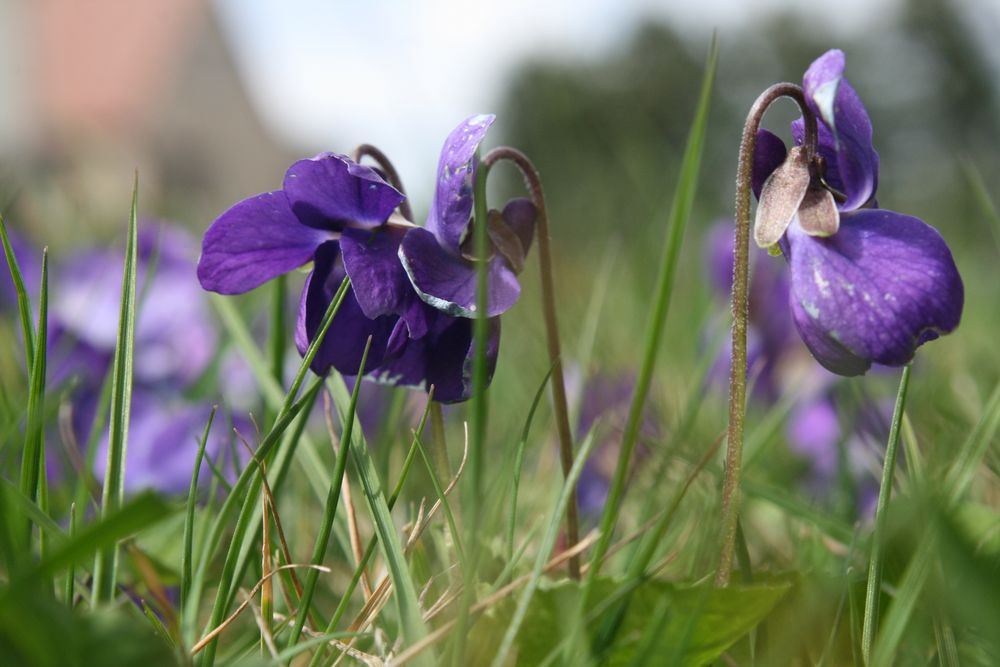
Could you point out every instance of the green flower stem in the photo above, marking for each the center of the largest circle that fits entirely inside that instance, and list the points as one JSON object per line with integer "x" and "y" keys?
{"x": 874, "y": 586}
{"x": 534, "y": 185}
{"x": 741, "y": 285}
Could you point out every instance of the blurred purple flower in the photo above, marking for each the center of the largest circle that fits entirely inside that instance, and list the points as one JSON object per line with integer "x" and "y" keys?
{"x": 175, "y": 342}
{"x": 868, "y": 285}
{"x": 777, "y": 361}
{"x": 412, "y": 289}
{"x": 175, "y": 336}
{"x": 603, "y": 403}
{"x": 769, "y": 330}
{"x": 164, "y": 436}
{"x": 30, "y": 262}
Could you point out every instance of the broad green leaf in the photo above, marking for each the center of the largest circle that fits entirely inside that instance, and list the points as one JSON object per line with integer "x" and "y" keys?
{"x": 701, "y": 621}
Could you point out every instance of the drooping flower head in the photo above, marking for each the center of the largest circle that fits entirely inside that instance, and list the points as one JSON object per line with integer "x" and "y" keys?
{"x": 868, "y": 285}
{"x": 341, "y": 216}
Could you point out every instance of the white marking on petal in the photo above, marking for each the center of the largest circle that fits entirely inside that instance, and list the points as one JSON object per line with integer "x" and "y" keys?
{"x": 821, "y": 283}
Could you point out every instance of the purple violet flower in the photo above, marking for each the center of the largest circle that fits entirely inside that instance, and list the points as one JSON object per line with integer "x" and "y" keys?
{"x": 602, "y": 403}
{"x": 175, "y": 344}
{"x": 412, "y": 289}
{"x": 868, "y": 285}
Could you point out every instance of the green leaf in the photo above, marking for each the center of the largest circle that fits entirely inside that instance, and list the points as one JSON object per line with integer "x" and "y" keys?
{"x": 137, "y": 514}
{"x": 700, "y": 622}
{"x": 36, "y": 630}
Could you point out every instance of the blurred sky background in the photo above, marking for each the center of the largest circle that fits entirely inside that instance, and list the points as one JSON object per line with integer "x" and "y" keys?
{"x": 211, "y": 100}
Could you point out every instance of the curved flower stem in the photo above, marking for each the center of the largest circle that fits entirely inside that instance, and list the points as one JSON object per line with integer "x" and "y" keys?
{"x": 741, "y": 284}
{"x": 874, "y": 586}
{"x": 382, "y": 160}
{"x": 534, "y": 185}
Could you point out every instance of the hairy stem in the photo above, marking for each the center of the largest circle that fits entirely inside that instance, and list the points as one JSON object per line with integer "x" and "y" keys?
{"x": 534, "y": 185}
{"x": 741, "y": 285}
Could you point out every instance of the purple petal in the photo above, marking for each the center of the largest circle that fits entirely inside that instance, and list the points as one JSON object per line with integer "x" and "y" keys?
{"x": 344, "y": 344}
{"x": 813, "y": 431}
{"x": 873, "y": 292}
{"x": 520, "y": 215}
{"x": 378, "y": 280}
{"x": 452, "y": 206}
{"x": 845, "y": 131}
{"x": 769, "y": 153}
{"x": 175, "y": 333}
{"x": 332, "y": 191}
{"x": 443, "y": 358}
{"x": 448, "y": 282}
{"x": 254, "y": 241}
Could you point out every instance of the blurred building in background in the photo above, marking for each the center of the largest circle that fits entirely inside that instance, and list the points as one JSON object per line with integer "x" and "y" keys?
{"x": 101, "y": 88}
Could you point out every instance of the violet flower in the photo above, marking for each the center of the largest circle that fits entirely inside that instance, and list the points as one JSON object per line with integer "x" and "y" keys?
{"x": 602, "y": 403}
{"x": 175, "y": 343}
{"x": 868, "y": 285}
{"x": 340, "y": 215}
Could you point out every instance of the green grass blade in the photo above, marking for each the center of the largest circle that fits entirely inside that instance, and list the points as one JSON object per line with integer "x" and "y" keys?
{"x": 983, "y": 198}
{"x": 33, "y": 460}
{"x": 332, "y": 503}
{"x": 519, "y": 462}
{"x": 23, "y": 303}
{"x": 249, "y": 518}
{"x": 187, "y": 622}
{"x": 372, "y": 543}
{"x": 407, "y": 603}
{"x": 69, "y": 592}
{"x": 680, "y": 211}
{"x": 544, "y": 551}
{"x": 247, "y": 488}
{"x": 911, "y": 586}
{"x": 138, "y": 513}
{"x": 873, "y": 589}
{"x": 439, "y": 491}
{"x": 105, "y": 568}
{"x": 311, "y": 464}
{"x": 972, "y": 451}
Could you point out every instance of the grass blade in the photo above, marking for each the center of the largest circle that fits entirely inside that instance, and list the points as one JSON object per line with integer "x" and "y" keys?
{"x": 407, "y": 603}
{"x": 519, "y": 462}
{"x": 249, "y": 518}
{"x": 680, "y": 211}
{"x": 544, "y": 551}
{"x": 332, "y": 502}
{"x": 33, "y": 460}
{"x": 105, "y": 569}
{"x": 187, "y": 553}
{"x": 372, "y": 543}
{"x": 874, "y": 586}
{"x": 23, "y": 303}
